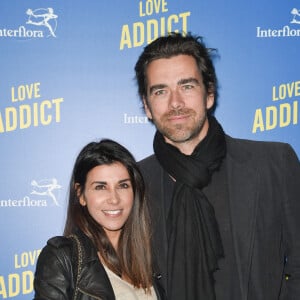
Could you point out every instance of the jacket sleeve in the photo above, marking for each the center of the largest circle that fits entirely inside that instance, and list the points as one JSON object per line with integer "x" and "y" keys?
{"x": 53, "y": 275}
{"x": 291, "y": 178}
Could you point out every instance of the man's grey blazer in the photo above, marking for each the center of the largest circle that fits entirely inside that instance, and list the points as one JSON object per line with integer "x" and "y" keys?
{"x": 264, "y": 202}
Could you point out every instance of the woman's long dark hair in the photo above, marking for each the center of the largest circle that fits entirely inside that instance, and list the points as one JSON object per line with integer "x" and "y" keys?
{"x": 132, "y": 259}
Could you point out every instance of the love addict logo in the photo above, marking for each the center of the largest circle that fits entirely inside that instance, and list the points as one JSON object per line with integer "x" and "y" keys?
{"x": 154, "y": 21}
{"x": 284, "y": 111}
{"x": 19, "y": 282}
{"x": 27, "y": 110}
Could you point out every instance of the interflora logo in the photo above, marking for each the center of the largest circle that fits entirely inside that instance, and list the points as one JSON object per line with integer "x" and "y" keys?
{"x": 285, "y": 31}
{"x": 44, "y": 193}
{"x": 38, "y": 23}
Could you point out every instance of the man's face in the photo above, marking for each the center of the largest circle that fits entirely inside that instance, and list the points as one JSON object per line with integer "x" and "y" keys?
{"x": 177, "y": 101}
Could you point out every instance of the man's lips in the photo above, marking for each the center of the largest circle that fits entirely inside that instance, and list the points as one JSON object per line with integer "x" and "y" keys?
{"x": 178, "y": 115}
{"x": 178, "y": 118}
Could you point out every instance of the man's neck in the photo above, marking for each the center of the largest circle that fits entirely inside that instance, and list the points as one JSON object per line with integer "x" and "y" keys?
{"x": 187, "y": 147}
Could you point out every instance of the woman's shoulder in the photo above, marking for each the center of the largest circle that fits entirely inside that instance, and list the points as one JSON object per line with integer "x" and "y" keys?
{"x": 59, "y": 242}
{"x": 53, "y": 274}
{"x": 58, "y": 248}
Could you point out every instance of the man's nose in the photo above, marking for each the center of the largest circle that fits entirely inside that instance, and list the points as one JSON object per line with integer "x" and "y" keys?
{"x": 176, "y": 100}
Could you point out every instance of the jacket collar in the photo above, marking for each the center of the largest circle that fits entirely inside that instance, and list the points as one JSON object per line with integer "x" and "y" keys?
{"x": 93, "y": 280}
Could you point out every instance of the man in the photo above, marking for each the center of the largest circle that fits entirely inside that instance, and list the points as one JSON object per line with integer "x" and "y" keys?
{"x": 225, "y": 211}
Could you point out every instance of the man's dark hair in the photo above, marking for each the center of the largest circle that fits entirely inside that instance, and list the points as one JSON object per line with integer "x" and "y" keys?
{"x": 172, "y": 45}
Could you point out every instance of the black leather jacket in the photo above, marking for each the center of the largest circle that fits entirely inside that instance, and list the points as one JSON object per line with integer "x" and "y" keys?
{"x": 55, "y": 271}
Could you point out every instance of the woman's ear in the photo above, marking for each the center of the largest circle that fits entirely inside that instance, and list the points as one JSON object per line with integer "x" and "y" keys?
{"x": 82, "y": 200}
{"x": 79, "y": 194}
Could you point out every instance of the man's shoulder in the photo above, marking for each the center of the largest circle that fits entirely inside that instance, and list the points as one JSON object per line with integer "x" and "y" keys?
{"x": 148, "y": 162}
{"x": 244, "y": 149}
{"x": 150, "y": 167}
{"x": 254, "y": 144}
{"x": 147, "y": 159}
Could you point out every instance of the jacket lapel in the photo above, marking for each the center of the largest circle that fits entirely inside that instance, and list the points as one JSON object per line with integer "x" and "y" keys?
{"x": 93, "y": 279}
{"x": 243, "y": 194}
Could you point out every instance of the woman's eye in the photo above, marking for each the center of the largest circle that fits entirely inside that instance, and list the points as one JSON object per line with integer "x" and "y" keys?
{"x": 100, "y": 187}
{"x": 124, "y": 185}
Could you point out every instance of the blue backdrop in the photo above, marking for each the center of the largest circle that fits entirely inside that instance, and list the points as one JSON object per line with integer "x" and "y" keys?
{"x": 66, "y": 78}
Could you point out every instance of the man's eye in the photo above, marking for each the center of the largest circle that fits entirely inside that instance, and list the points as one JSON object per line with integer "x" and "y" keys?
{"x": 188, "y": 86}
{"x": 159, "y": 92}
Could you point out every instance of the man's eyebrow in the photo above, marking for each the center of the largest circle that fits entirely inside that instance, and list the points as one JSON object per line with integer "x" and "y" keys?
{"x": 156, "y": 87}
{"x": 188, "y": 80}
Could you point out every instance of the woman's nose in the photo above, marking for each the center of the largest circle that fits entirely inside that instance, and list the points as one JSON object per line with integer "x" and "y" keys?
{"x": 114, "y": 197}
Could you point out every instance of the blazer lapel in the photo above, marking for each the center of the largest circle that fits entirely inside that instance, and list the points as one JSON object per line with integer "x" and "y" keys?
{"x": 243, "y": 194}
{"x": 158, "y": 216}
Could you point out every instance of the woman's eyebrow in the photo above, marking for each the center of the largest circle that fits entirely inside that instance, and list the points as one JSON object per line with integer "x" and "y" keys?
{"x": 99, "y": 182}
{"x": 124, "y": 180}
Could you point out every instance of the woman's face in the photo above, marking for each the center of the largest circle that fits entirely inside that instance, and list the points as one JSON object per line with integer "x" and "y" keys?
{"x": 108, "y": 196}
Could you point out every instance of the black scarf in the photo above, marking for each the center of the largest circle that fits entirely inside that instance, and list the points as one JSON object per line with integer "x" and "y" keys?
{"x": 194, "y": 242}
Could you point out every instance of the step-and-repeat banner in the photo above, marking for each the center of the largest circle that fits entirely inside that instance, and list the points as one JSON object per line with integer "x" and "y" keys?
{"x": 67, "y": 78}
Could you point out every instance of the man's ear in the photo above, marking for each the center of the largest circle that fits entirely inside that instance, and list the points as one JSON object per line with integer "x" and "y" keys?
{"x": 210, "y": 100}
{"x": 147, "y": 110}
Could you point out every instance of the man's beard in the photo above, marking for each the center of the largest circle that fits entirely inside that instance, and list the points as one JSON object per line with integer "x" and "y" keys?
{"x": 181, "y": 132}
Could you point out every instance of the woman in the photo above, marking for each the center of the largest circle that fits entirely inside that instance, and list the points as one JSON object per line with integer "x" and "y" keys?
{"x": 105, "y": 251}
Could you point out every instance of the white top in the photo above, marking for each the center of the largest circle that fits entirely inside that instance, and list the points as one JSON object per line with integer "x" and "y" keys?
{"x": 125, "y": 291}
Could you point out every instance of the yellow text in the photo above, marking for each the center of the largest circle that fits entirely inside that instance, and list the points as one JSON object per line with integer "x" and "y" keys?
{"x": 27, "y": 115}
{"x": 145, "y": 32}
{"x": 275, "y": 116}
